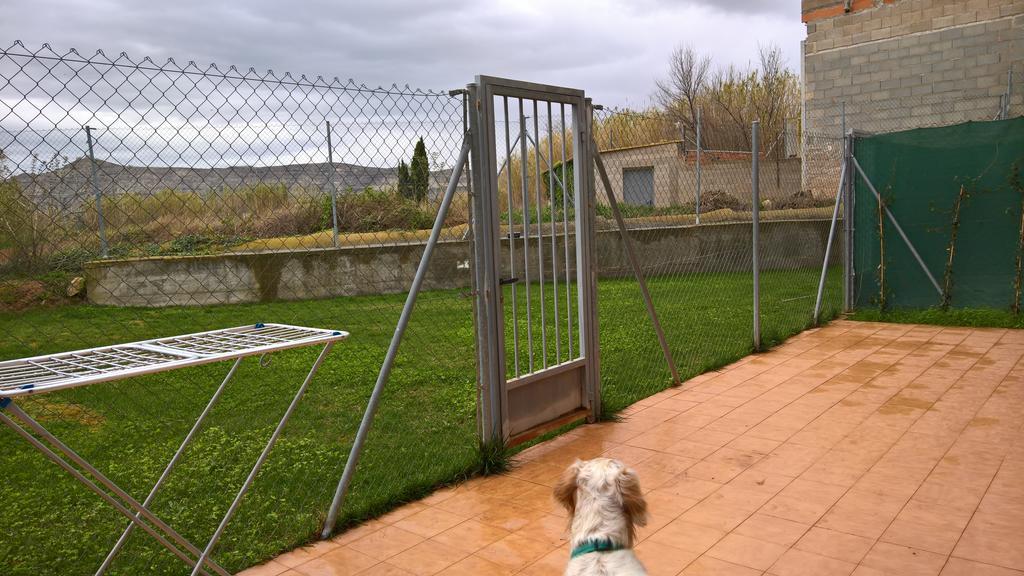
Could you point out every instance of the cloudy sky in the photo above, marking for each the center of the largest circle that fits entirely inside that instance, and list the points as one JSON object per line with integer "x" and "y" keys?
{"x": 614, "y": 49}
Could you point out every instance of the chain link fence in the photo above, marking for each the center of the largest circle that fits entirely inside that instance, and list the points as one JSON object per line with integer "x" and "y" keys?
{"x": 686, "y": 199}
{"x": 142, "y": 199}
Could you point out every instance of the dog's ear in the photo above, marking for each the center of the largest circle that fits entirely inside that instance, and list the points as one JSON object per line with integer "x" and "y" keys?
{"x": 565, "y": 490}
{"x": 633, "y": 503}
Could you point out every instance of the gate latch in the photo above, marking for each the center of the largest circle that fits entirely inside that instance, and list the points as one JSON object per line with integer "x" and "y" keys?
{"x": 504, "y": 281}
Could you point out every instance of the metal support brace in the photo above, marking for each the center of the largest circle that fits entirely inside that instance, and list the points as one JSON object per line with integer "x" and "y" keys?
{"x": 396, "y": 340}
{"x": 262, "y": 458}
{"x": 755, "y": 186}
{"x": 634, "y": 263}
{"x": 848, "y": 205}
{"x": 170, "y": 466}
{"x": 831, "y": 237}
{"x": 899, "y": 230}
{"x": 77, "y": 475}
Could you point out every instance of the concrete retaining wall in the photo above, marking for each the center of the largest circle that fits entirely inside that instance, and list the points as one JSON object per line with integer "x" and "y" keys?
{"x": 313, "y": 274}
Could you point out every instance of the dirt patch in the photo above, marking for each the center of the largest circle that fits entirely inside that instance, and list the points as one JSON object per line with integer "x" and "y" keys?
{"x": 47, "y": 410}
{"x": 711, "y": 200}
{"x": 16, "y": 295}
{"x": 801, "y": 199}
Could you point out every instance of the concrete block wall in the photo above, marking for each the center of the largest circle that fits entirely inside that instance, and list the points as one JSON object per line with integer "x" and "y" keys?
{"x": 327, "y": 273}
{"x": 901, "y": 64}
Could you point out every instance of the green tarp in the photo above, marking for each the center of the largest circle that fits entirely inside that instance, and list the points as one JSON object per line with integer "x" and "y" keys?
{"x": 920, "y": 174}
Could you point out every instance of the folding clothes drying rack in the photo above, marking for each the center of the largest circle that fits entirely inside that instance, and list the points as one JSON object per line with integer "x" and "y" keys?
{"x": 53, "y": 372}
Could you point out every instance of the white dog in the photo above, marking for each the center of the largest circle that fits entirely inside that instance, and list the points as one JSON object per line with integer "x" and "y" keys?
{"x": 605, "y": 505}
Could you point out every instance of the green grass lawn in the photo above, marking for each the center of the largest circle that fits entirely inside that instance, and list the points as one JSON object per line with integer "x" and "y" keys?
{"x": 424, "y": 435}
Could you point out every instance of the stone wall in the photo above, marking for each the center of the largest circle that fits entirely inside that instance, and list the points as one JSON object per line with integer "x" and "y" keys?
{"x": 313, "y": 274}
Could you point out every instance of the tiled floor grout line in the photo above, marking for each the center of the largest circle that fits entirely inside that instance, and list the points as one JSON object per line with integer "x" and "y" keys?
{"x": 868, "y": 469}
{"x": 908, "y": 353}
{"x": 791, "y": 402}
{"x": 1018, "y": 362}
{"x": 866, "y": 336}
{"x": 937, "y": 462}
{"x": 894, "y": 339}
{"x": 878, "y": 539}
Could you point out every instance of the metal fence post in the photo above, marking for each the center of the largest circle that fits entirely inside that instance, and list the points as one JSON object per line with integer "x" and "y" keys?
{"x": 334, "y": 187}
{"x": 100, "y": 220}
{"x": 698, "y": 165}
{"x": 848, "y": 206}
{"x": 755, "y": 185}
{"x": 842, "y": 119}
{"x": 1009, "y": 89}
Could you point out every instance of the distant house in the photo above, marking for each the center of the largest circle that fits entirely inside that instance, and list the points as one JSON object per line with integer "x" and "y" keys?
{"x": 664, "y": 174}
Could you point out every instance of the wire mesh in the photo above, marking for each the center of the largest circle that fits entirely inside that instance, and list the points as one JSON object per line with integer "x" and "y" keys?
{"x": 141, "y": 200}
{"x": 690, "y": 219}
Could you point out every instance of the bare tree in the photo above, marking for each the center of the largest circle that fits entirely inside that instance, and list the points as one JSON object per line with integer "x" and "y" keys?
{"x": 680, "y": 93}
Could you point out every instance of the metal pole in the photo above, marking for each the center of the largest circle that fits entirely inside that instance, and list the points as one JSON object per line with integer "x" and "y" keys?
{"x": 634, "y": 263}
{"x": 525, "y": 193}
{"x": 100, "y": 220}
{"x": 554, "y": 235}
{"x": 117, "y": 490}
{"x": 565, "y": 232}
{"x": 487, "y": 249}
{"x": 508, "y": 148}
{"x": 755, "y": 135}
{"x": 263, "y": 458}
{"x": 1009, "y": 90}
{"x": 828, "y": 246}
{"x": 848, "y": 225}
{"x": 396, "y": 340}
{"x": 170, "y": 466}
{"x": 698, "y": 164}
{"x": 56, "y": 459}
{"x": 540, "y": 236}
{"x": 899, "y": 230}
{"x": 842, "y": 119}
{"x": 334, "y": 187}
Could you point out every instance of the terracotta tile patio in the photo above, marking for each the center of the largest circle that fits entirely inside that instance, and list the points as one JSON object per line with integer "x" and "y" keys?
{"x": 858, "y": 448}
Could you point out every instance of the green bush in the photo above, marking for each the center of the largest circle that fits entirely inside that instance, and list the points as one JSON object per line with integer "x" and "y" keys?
{"x": 374, "y": 210}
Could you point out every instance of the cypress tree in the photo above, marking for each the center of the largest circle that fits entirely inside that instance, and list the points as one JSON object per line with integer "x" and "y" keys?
{"x": 419, "y": 170}
{"x": 404, "y": 181}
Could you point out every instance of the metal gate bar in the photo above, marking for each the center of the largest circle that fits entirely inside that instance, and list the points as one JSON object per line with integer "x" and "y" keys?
{"x": 554, "y": 249}
{"x": 540, "y": 238}
{"x": 526, "y": 232}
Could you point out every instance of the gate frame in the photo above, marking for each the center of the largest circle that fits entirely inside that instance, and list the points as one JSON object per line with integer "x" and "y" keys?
{"x": 489, "y": 307}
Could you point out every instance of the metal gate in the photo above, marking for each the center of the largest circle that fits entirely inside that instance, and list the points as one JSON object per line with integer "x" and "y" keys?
{"x": 533, "y": 219}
